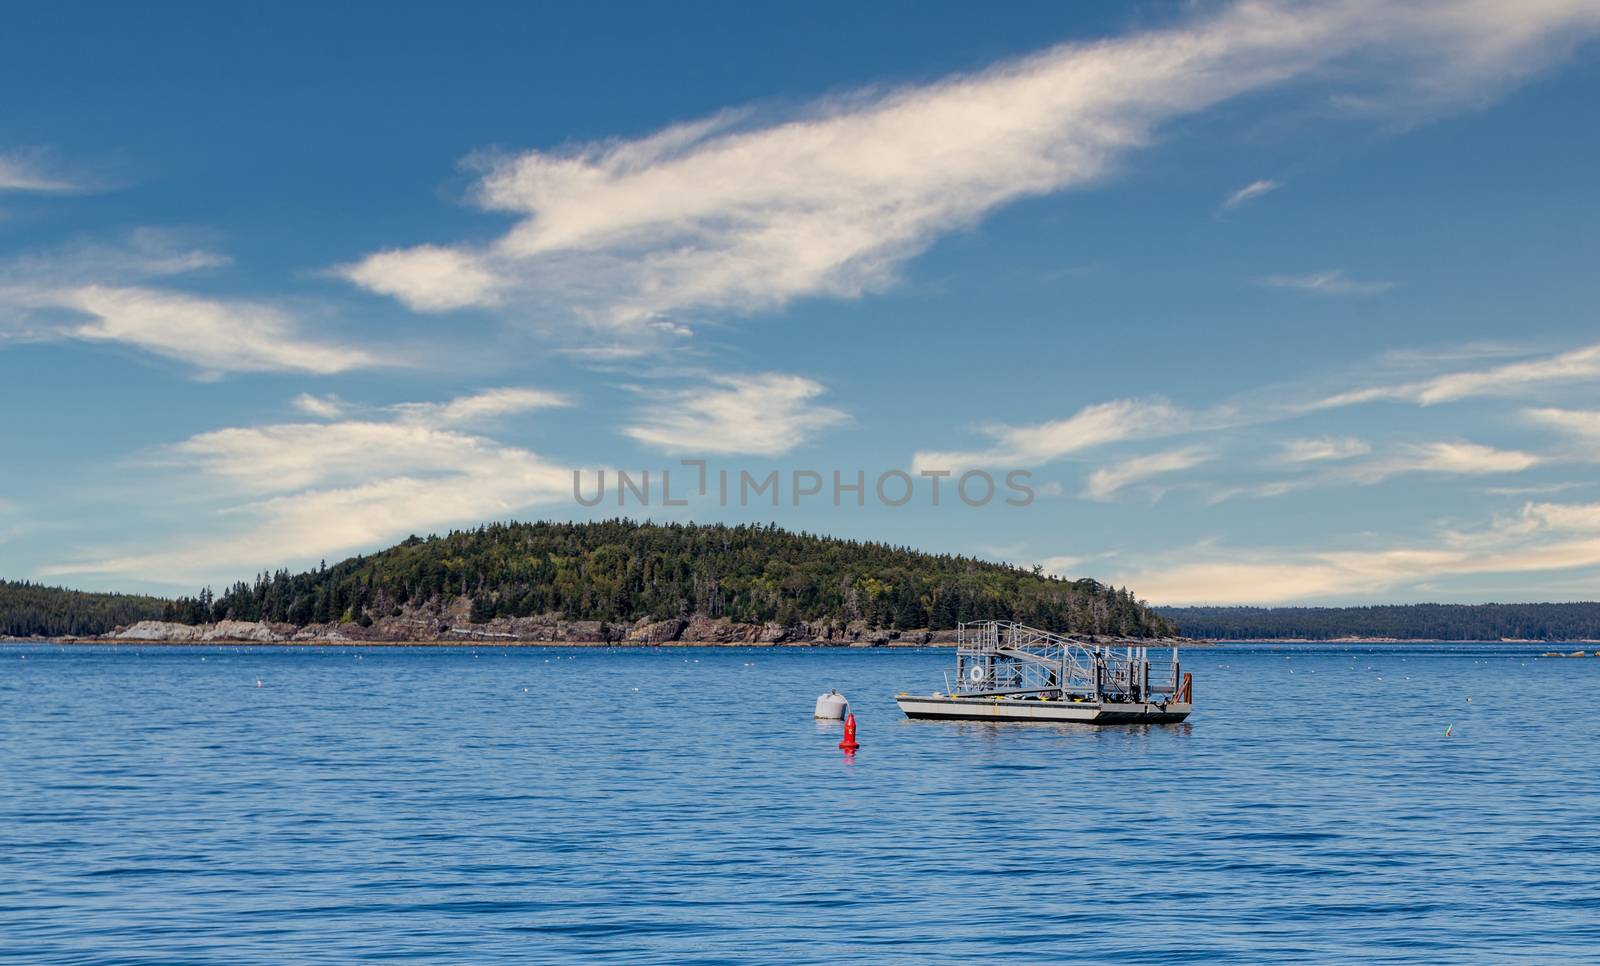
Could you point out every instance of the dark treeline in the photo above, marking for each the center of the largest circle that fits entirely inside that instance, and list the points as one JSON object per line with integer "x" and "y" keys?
{"x": 1442, "y": 622}
{"x": 620, "y": 570}
{"x": 28, "y": 610}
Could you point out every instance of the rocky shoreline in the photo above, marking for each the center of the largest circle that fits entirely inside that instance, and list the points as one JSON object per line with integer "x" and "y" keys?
{"x": 422, "y": 627}
{"x": 426, "y": 628}
{"x": 542, "y": 630}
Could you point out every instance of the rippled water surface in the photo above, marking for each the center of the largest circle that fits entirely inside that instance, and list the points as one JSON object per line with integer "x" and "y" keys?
{"x": 680, "y": 805}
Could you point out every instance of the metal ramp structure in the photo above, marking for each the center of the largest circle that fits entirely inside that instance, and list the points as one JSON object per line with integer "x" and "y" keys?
{"x": 1003, "y": 659}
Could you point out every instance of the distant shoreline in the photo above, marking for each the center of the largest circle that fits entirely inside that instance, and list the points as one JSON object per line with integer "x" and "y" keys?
{"x": 547, "y": 631}
{"x": 1398, "y": 640}
{"x": 497, "y": 642}
{"x": 466, "y": 642}
{"x": 796, "y": 644}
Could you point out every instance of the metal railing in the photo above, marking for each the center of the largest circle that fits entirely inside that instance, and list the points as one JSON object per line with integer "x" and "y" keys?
{"x": 1004, "y": 658}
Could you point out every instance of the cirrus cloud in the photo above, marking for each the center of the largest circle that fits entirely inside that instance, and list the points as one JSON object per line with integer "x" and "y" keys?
{"x": 741, "y": 213}
{"x": 28, "y": 171}
{"x": 215, "y": 335}
{"x": 107, "y": 292}
{"x": 1514, "y": 378}
{"x": 1250, "y": 192}
{"x": 1323, "y": 448}
{"x": 1105, "y": 482}
{"x": 1334, "y": 282}
{"x": 1041, "y": 443}
{"x": 766, "y": 414}
{"x": 1584, "y": 423}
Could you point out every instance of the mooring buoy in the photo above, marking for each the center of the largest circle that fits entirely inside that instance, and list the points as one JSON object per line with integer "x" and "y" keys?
{"x": 831, "y": 706}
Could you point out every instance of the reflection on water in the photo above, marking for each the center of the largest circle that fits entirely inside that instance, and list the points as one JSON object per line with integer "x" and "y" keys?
{"x": 649, "y": 805}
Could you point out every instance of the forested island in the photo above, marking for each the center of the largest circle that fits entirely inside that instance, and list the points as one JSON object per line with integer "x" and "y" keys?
{"x": 1423, "y": 622}
{"x": 622, "y": 580}
{"x": 626, "y": 580}
{"x": 34, "y": 610}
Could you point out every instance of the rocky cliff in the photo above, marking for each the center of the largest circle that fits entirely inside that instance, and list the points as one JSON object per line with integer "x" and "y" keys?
{"x": 430, "y": 628}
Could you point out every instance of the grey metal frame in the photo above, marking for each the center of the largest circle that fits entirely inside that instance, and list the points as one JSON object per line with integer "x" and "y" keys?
{"x": 1003, "y": 658}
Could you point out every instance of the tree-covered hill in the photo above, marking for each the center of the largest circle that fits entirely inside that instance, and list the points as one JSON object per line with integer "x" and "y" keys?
{"x": 28, "y": 610}
{"x": 621, "y": 570}
{"x": 1443, "y": 622}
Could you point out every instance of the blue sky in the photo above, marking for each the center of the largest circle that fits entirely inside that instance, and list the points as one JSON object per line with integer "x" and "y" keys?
{"x": 1275, "y": 302}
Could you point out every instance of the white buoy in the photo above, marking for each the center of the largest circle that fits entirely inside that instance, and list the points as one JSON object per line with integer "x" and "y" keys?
{"x": 831, "y": 706}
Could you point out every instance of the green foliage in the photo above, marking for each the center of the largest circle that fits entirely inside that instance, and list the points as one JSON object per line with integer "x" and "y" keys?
{"x": 28, "y": 610}
{"x": 621, "y": 570}
{"x": 1428, "y": 622}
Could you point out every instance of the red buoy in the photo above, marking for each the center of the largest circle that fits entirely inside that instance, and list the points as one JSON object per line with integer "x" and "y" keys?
{"x": 849, "y": 742}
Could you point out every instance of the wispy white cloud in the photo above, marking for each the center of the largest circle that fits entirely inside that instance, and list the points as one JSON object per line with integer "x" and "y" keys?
{"x": 401, "y": 438}
{"x": 1544, "y": 537}
{"x": 1334, "y": 282}
{"x": 299, "y": 491}
{"x": 30, "y": 171}
{"x": 766, "y": 414}
{"x": 215, "y": 335}
{"x": 288, "y": 456}
{"x": 1576, "y": 365}
{"x": 608, "y": 354}
{"x": 1249, "y": 192}
{"x": 1432, "y": 357}
{"x": 1456, "y": 457}
{"x": 734, "y": 213}
{"x": 1066, "y": 565}
{"x": 1584, "y": 423}
{"x": 15, "y": 523}
{"x": 1035, "y": 445}
{"x": 481, "y": 406}
{"x": 1446, "y": 458}
{"x": 1260, "y": 491}
{"x": 1126, "y": 420}
{"x": 130, "y": 258}
{"x": 101, "y": 292}
{"x": 1559, "y": 517}
{"x": 322, "y": 407}
{"x": 1543, "y": 489}
{"x": 427, "y": 278}
{"x": 1322, "y": 449}
{"x": 1063, "y": 565}
{"x": 302, "y": 527}
{"x": 1106, "y": 482}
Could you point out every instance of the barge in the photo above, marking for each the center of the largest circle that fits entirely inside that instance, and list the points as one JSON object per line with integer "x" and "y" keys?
{"x": 1011, "y": 672}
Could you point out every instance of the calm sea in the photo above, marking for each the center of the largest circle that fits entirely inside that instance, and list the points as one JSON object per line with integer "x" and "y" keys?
{"x": 680, "y": 805}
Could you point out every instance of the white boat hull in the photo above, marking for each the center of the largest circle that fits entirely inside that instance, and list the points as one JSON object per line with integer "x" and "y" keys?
{"x": 1010, "y": 709}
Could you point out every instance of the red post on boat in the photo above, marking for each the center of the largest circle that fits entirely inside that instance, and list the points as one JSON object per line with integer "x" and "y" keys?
{"x": 1186, "y": 691}
{"x": 849, "y": 743}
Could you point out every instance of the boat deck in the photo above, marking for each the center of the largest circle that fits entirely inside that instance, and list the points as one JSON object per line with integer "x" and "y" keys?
{"x": 1032, "y": 709}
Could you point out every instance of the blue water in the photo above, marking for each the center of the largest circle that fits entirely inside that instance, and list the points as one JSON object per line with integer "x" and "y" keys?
{"x": 680, "y": 805}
